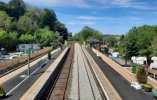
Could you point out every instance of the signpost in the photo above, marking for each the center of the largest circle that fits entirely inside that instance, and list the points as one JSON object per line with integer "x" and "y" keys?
{"x": 28, "y": 51}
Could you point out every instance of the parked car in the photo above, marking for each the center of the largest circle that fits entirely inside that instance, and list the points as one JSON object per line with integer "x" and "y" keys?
{"x": 3, "y": 58}
{"x": 153, "y": 64}
{"x": 136, "y": 85}
{"x": 12, "y": 57}
{"x": 115, "y": 55}
{"x": 3, "y": 51}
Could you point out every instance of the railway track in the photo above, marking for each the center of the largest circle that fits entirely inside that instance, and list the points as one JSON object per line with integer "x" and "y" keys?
{"x": 58, "y": 89}
{"x": 83, "y": 85}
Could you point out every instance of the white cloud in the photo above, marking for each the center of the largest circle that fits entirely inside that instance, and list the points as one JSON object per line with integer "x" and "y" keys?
{"x": 89, "y": 18}
{"x": 95, "y": 3}
{"x": 124, "y": 4}
{"x": 67, "y": 3}
{"x": 77, "y": 22}
{"x": 96, "y": 18}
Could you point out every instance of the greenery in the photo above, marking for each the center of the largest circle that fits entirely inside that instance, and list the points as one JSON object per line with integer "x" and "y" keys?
{"x": 106, "y": 50}
{"x": 88, "y": 33}
{"x": 140, "y": 41}
{"x": 8, "y": 39}
{"x": 2, "y": 92}
{"x": 147, "y": 86}
{"x": 141, "y": 75}
{"x": 20, "y": 24}
{"x": 111, "y": 40}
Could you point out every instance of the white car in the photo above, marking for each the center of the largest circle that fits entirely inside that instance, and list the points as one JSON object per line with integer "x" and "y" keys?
{"x": 136, "y": 85}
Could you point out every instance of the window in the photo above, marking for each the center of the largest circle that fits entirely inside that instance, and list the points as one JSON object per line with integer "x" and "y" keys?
{"x": 23, "y": 46}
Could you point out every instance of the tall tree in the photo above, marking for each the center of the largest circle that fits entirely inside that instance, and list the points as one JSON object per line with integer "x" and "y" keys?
{"x": 87, "y": 33}
{"x": 59, "y": 27}
{"x": 26, "y": 25}
{"x": 139, "y": 40}
{"x": 37, "y": 15}
{"x": 27, "y": 38}
{"x": 46, "y": 37}
{"x": 8, "y": 40}
{"x": 18, "y": 8}
{"x": 5, "y": 21}
{"x": 153, "y": 47}
{"x": 49, "y": 18}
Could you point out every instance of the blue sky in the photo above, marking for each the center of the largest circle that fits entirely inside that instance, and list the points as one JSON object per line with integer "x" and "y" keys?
{"x": 107, "y": 16}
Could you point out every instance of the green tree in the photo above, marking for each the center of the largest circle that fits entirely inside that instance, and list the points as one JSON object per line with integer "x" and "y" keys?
{"x": 27, "y": 38}
{"x": 153, "y": 47}
{"x": 5, "y": 21}
{"x": 18, "y": 8}
{"x": 111, "y": 41}
{"x": 37, "y": 15}
{"x": 4, "y": 6}
{"x": 139, "y": 40}
{"x": 8, "y": 40}
{"x": 26, "y": 25}
{"x": 87, "y": 33}
{"x": 49, "y": 18}
{"x": 58, "y": 26}
{"x": 47, "y": 38}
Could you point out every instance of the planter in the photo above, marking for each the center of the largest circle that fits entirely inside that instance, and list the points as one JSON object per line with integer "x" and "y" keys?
{"x": 147, "y": 87}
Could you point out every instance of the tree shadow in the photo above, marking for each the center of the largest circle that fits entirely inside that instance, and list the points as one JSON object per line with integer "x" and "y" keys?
{"x": 41, "y": 72}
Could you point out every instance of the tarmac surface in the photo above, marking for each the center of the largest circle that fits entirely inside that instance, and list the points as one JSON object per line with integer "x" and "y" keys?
{"x": 18, "y": 85}
{"x": 119, "y": 83}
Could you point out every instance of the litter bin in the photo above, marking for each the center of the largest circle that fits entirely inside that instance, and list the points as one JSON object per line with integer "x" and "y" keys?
{"x": 134, "y": 66}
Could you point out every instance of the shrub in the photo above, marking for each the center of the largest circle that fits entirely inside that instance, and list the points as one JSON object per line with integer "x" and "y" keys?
{"x": 147, "y": 86}
{"x": 141, "y": 75}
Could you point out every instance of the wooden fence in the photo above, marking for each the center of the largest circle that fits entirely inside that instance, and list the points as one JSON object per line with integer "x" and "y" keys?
{"x": 20, "y": 60}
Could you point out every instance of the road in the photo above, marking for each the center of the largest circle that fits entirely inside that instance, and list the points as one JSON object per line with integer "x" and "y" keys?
{"x": 120, "y": 84}
{"x": 18, "y": 85}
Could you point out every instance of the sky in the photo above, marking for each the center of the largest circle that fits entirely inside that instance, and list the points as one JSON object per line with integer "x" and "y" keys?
{"x": 107, "y": 16}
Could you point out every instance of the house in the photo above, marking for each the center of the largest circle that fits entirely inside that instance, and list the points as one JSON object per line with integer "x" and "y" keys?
{"x": 35, "y": 46}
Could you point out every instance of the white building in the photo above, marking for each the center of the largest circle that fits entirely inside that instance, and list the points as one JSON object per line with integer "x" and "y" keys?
{"x": 35, "y": 46}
